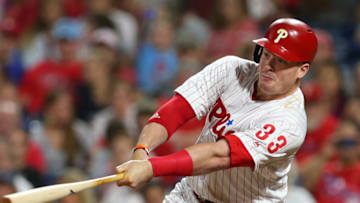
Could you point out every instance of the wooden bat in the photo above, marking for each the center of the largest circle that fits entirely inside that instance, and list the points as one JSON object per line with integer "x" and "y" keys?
{"x": 54, "y": 192}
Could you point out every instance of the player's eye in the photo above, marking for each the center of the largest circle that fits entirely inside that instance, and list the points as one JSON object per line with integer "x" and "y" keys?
{"x": 281, "y": 61}
{"x": 266, "y": 54}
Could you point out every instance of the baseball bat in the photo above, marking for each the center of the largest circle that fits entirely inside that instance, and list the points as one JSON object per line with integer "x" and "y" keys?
{"x": 57, "y": 191}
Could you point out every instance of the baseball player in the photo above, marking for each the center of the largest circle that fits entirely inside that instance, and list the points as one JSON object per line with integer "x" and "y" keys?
{"x": 255, "y": 123}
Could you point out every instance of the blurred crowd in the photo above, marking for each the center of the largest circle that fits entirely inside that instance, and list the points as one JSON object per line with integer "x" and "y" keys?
{"x": 80, "y": 78}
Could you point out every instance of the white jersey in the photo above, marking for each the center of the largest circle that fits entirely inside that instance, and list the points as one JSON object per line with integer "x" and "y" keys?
{"x": 271, "y": 131}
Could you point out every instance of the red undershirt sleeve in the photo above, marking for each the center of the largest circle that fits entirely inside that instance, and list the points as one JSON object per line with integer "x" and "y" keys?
{"x": 173, "y": 114}
{"x": 239, "y": 155}
{"x": 176, "y": 164}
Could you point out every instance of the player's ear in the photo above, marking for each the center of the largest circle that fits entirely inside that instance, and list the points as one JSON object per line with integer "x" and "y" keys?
{"x": 304, "y": 68}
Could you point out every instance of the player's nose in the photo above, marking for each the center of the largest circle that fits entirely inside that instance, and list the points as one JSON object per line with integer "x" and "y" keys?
{"x": 267, "y": 67}
{"x": 269, "y": 64}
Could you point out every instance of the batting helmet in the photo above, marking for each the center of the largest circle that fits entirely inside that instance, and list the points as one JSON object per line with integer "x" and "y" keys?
{"x": 290, "y": 39}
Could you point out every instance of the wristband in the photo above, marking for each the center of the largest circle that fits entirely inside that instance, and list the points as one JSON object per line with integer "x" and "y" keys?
{"x": 177, "y": 164}
{"x": 144, "y": 147}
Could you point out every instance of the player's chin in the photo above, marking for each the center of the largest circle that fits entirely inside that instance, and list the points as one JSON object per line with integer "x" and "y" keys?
{"x": 267, "y": 85}
{"x": 271, "y": 89}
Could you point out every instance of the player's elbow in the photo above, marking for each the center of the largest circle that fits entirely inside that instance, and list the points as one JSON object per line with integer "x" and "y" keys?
{"x": 216, "y": 162}
{"x": 221, "y": 155}
{"x": 221, "y": 149}
{"x": 220, "y": 163}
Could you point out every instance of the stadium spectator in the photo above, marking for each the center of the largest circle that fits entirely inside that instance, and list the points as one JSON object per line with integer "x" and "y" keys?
{"x": 63, "y": 72}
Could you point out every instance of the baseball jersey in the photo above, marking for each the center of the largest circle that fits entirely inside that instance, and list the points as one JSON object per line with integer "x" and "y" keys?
{"x": 271, "y": 131}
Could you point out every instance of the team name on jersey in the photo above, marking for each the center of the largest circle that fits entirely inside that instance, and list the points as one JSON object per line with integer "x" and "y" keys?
{"x": 224, "y": 120}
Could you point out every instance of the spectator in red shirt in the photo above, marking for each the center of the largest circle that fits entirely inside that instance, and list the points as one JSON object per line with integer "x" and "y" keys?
{"x": 334, "y": 174}
{"x": 64, "y": 72}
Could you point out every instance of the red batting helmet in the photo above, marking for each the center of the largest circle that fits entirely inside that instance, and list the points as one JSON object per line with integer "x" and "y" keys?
{"x": 290, "y": 39}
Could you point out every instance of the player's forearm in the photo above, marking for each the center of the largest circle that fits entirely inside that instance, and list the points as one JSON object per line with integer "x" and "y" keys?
{"x": 153, "y": 135}
{"x": 195, "y": 160}
{"x": 209, "y": 157}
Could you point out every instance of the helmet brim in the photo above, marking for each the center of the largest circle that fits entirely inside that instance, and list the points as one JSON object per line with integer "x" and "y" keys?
{"x": 278, "y": 50}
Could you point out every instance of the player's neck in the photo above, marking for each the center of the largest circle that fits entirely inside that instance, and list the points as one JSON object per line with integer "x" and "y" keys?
{"x": 264, "y": 96}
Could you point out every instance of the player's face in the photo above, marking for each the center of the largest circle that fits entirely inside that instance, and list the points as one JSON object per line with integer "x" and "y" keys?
{"x": 277, "y": 77}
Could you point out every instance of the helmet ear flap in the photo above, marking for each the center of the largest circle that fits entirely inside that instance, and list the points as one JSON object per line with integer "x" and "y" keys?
{"x": 257, "y": 53}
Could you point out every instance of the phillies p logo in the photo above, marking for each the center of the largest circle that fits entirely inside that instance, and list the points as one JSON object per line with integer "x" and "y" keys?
{"x": 282, "y": 34}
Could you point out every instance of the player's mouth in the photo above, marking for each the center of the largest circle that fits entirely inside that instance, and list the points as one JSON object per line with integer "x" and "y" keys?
{"x": 266, "y": 77}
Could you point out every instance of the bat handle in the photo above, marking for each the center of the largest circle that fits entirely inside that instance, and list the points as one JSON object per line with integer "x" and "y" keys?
{"x": 108, "y": 179}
